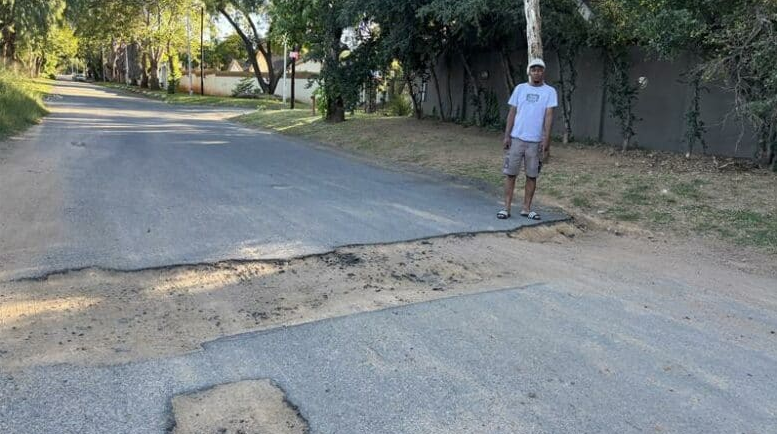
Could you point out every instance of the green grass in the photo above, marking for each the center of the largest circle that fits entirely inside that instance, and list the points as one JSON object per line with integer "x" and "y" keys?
{"x": 660, "y": 217}
{"x": 21, "y": 102}
{"x": 581, "y": 202}
{"x": 636, "y": 195}
{"x": 744, "y": 227}
{"x": 624, "y": 214}
{"x": 262, "y": 103}
{"x": 689, "y": 190}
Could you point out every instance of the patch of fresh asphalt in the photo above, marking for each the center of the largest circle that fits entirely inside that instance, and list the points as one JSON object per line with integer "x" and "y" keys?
{"x": 125, "y": 183}
{"x": 522, "y": 360}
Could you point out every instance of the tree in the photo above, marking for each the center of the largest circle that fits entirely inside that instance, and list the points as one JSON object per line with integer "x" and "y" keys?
{"x": 406, "y": 36}
{"x": 533, "y": 28}
{"x": 110, "y": 27}
{"x": 729, "y": 40}
{"x": 225, "y": 51}
{"x": 52, "y": 50}
{"x": 745, "y": 50}
{"x": 668, "y": 28}
{"x": 242, "y": 15}
{"x": 467, "y": 28}
{"x": 26, "y": 22}
{"x": 320, "y": 25}
{"x": 565, "y": 32}
{"x": 613, "y": 33}
{"x": 163, "y": 28}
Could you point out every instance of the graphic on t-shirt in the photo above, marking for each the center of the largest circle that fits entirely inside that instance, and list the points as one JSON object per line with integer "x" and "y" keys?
{"x": 532, "y": 97}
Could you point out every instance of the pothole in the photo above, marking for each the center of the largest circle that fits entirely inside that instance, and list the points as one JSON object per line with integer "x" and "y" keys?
{"x": 245, "y": 407}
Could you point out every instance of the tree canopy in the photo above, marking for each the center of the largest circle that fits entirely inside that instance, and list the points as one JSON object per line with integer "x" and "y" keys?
{"x": 366, "y": 44}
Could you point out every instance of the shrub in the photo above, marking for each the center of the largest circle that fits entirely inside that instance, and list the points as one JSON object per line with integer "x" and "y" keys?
{"x": 245, "y": 88}
{"x": 400, "y": 105}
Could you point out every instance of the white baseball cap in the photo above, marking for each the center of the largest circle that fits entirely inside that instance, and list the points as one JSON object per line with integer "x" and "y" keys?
{"x": 535, "y": 62}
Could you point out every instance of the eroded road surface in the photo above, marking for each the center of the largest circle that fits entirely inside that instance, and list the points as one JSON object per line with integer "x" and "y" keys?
{"x": 127, "y": 183}
{"x": 548, "y": 329}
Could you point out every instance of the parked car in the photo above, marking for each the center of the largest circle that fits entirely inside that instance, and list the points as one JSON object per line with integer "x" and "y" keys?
{"x": 79, "y": 77}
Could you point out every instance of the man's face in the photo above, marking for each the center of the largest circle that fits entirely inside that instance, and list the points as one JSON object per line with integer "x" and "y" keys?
{"x": 537, "y": 74}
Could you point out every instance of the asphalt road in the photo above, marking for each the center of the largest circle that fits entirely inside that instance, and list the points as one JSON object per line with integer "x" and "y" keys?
{"x": 127, "y": 183}
{"x": 531, "y": 360}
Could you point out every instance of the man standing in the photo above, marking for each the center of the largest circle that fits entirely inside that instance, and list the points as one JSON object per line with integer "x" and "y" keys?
{"x": 527, "y": 135}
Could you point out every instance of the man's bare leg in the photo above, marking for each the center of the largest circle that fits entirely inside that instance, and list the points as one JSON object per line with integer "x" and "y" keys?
{"x": 528, "y": 194}
{"x": 509, "y": 188}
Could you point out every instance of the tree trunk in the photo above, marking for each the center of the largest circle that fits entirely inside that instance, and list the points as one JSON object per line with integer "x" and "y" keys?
{"x": 113, "y": 60}
{"x": 464, "y": 97}
{"x": 293, "y": 76}
{"x": 9, "y": 36}
{"x": 371, "y": 95}
{"x": 251, "y": 51}
{"x": 566, "y": 85}
{"x": 533, "y": 28}
{"x": 40, "y": 62}
{"x": 411, "y": 89}
{"x": 31, "y": 65}
{"x": 172, "y": 78}
{"x": 475, "y": 89}
{"x": 257, "y": 71}
{"x": 627, "y": 137}
{"x": 508, "y": 69}
{"x": 448, "y": 84}
{"x": 134, "y": 67}
{"x": 153, "y": 82}
{"x": 335, "y": 110}
{"x": 439, "y": 95}
{"x": 603, "y": 102}
{"x": 144, "y": 70}
{"x": 272, "y": 79}
{"x": 9, "y": 45}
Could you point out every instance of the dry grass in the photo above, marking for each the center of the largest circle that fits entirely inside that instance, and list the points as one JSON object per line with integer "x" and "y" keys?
{"x": 641, "y": 190}
{"x": 262, "y": 103}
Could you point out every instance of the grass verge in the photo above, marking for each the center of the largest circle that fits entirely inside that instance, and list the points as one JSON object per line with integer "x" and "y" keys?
{"x": 661, "y": 193}
{"x": 21, "y": 102}
{"x": 263, "y": 103}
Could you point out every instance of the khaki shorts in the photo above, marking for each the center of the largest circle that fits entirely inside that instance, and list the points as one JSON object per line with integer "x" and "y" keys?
{"x": 528, "y": 152}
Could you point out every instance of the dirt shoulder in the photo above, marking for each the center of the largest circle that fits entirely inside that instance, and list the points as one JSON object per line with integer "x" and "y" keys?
{"x": 98, "y": 317}
{"x": 721, "y": 201}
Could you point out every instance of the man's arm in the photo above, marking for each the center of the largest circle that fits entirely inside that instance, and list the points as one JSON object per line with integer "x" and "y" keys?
{"x": 546, "y": 131}
{"x": 509, "y": 126}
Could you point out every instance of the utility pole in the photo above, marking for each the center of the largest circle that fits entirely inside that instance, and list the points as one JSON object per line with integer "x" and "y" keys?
{"x": 126, "y": 64}
{"x": 285, "y": 59}
{"x": 533, "y": 28}
{"x": 202, "y": 51}
{"x": 189, "y": 48}
{"x": 102, "y": 62}
{"x": 294, "y": 57}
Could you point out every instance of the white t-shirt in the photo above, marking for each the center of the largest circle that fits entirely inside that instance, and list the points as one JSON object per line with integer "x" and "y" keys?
{"x": 531, "y": 102}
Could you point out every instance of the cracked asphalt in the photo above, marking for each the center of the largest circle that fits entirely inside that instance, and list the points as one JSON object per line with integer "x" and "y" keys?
{"x": 589, "y": 336}
{"x": 521, "y": 360}
{"x": 125, "y": 183}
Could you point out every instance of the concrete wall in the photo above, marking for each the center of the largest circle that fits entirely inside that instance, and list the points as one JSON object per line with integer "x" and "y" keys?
{"x": 660, "y": 108}
{"x": 222, "y": 83}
